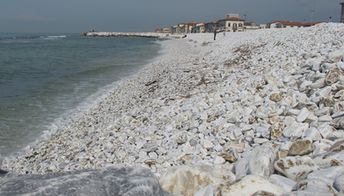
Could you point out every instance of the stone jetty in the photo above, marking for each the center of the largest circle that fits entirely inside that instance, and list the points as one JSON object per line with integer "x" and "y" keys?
{"x": 133, "y": 34}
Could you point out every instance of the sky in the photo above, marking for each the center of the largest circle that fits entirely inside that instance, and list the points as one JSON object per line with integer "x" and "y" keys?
{"x": 70, "y": 16}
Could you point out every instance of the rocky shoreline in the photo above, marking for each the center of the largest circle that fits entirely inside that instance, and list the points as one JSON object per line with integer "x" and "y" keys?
{"x": 250, "y": 113}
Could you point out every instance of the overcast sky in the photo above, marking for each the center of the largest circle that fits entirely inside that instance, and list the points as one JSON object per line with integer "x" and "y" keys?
{"x": 145, "y": 15}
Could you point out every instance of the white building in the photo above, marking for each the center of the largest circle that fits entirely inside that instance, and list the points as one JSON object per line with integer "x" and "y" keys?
{"x": 232, "y": 23}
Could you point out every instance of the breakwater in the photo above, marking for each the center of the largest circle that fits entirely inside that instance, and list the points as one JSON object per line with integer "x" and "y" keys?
{"x": 132, "y": 34}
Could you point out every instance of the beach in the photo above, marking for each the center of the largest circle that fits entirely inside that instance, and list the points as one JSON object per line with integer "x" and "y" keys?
{"x": 260, "y": 108}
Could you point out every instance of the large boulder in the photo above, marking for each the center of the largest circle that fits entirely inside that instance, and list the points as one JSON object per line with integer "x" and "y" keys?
{"x": 189, "y": 180}
{"x": 110, "y": 181}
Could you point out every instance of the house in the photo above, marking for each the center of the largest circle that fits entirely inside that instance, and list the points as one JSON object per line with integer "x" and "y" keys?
{"x": 232, "y": 23}
{"x": 166, "y": 30}
{"x": 263, "y": 26}
{"x": 183, "y": 28}
{"x": 210, "y": 27}
{"x": 198, "y": 28}
{"x": 158, "y": 30}
{"x": 191, "y": 25}
{"x": 251, "y": 26}
{"x": 286, "y": 24}
{"x": 174, "y": 29}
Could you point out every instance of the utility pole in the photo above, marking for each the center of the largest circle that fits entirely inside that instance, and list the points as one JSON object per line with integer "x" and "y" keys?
{"x": 342, "y": 14}
{"x": 312, "y": 15}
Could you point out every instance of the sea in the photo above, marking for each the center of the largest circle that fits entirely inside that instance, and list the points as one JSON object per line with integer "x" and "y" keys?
{"x": 45, "y": 77}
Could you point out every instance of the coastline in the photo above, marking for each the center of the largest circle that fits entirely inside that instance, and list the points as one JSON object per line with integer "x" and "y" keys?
{"x": 213, "y": 102}
{"x": 128, "y": 85}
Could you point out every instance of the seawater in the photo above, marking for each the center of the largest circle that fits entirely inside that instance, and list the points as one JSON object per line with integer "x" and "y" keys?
{"x": 44, "y": 75}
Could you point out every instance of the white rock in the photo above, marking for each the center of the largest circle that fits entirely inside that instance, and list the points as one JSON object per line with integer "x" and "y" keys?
{"x": 187, "y": 180}
{"x": 303, "y": 115}
{"x": 207, "y": 191}
{"x": 324, "y": 92}
{"x": 322, "y": 146}
{"x": 283, "y": 182}
{"x": 241, "y": 166}
{"x": 325, "y": 118}
{"x": 325, "y": 130}
{"x": 311, "y": 134}
{"x": 257, "y": 162}
{"x": 295, "y": 130}
{"x": 208, "y": 144}
{"x": 293, "y": 112}
{"x": 153, "y": 155}
{"x": 250, "y": 185}
{"x": 219, "y": 160}
{"x": 318, "y": 187}
{"x": 339, "y": 183}
{"x": 218, "y": 148}
{"x": 322, "y": 111}
{"x": 262, "y": 130}
{"x": 329, "y": 174}
{"x": 329, "y": 159}
{"x": 321, "y": 181}
{"x": 260, "y": 140}
{"x": 340, "y": 65}
{"x": 296, "y": 168}
{"x": 261, "y": 160}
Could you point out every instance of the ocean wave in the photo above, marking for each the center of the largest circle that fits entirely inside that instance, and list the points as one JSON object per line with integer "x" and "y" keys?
{"x": 53, "y": 37}
{"x": 24, "y": 38}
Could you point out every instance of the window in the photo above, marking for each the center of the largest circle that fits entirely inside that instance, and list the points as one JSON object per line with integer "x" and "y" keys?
{"x": 240, "y": 25}
{"x": 229, "y": 24}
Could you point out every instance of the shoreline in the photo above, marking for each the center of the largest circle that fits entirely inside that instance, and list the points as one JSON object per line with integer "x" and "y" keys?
{"x": 89, "y": 101}
{"x": 84, "y": 111}
{"x": 84, "y": 107}
{"x": 245, "y": 105}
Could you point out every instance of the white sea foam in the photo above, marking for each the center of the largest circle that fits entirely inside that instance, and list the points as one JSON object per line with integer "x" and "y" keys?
{"x": 53, "y": 37}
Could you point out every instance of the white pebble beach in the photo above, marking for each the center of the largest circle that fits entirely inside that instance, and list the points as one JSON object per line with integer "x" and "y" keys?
{"x": 258, "y": 108}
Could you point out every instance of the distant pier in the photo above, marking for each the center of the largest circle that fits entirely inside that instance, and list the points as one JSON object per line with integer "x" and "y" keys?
{"x": 132, "y": 34}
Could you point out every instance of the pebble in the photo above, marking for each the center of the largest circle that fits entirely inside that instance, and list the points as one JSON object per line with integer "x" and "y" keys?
{"x": 208, "y": 144}
{"x": 219, "y": 160}
{"x": 303, "y": 115}
{"x": 300, "y": 147}
{"x": 230, "y": 156}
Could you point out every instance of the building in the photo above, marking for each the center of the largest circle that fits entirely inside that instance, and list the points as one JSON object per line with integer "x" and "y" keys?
{"x": 158, "y": 30}
{"x": 342, "y": 13}
{"x": 191, "y": 25}
{"x": 210, "y": 27}
{"x": 263, "y": 26}
{"x": 232, "y": 23}
{"x": 183, "y": 28}
{"x": 198, "y": 28}
{"x": 251, "y": 26}
{"x": 286, "y": 24}
{"x": 166, "y": 30}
